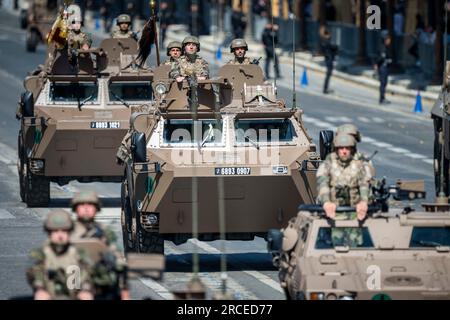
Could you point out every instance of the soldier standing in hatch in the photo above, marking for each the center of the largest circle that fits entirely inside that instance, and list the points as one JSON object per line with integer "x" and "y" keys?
{"x": 173, "y": 52}
{"x": 76, "y": 38}
{"x": 122, "y": 30}
{"x": 190, "y": 63}
{"x": 54, "y": 263}
{"x": 239, "y": 48}
{"x": 110, "y": 275}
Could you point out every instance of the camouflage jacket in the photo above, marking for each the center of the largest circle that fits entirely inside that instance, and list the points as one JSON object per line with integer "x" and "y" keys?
{"x": 368, "y": 166}
{"x": 56, "y": 273}
{"x": 184, "y": 67}
{"x": 119, "y": 34}
{"x": 76, "y": 40}
{"x": 236, "y": 61}
{"x": 345, "y": 185}
{"x": 110, "y": 272}
{"x": 170, "y": 61}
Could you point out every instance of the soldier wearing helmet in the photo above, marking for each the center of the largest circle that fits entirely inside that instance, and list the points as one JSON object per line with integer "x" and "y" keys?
{"x": 190, "y": 64}
{"x": 173, "y": 52}
{"x": 55, "y": 261}
{"x": 341, "y": 179}
{"x": 122, "y": 30}
{"x": 352, "y": 130}
{"x": 76, "y": 38}
{"x": 86, "y": 204}
{"x": 239, "y": 48}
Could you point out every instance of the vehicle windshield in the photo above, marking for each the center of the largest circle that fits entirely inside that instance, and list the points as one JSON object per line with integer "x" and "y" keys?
{"x": 130, "y": 91}
{"x": 352, "y": 237}
{"x": 264, "y": 130}
{"x": 73, "y": 92}
{"x": 190, "y": 133}
{"x": 425, "y": 237}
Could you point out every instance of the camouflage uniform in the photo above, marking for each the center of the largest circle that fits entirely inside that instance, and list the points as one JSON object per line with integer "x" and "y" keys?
{"x": 51, "y": 271}
{"x": 119, "y": 34}
{"x": 76, "y": 39}
{"x": 237, "y": 61}
{"x": 185, "y": 67}
{"x": 170, "y": 62}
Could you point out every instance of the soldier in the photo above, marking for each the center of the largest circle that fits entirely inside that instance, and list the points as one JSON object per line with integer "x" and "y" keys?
{"x": 77, "y": 39}
{"x": 352, "y": 130}
{"x": 122, "y": 30}
{"x": 382, "y": 64}
{"x": 110, "y": 274}
{"x": 341, "y": 179}
{"x": 239, "y": 48}
{"x": 190, "y": 63}
{"x": 173, "y": 52}
{"x": 329, "y": 51}
{"x": 57, "y": 262}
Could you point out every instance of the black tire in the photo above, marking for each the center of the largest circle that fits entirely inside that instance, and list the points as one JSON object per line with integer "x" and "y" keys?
{"x": 20, "y": 166}
{"x": 32, "y": 41}
{"x": 23, "y": 20}
{"x": 126, "y": 219}
{"x": 437, "y": 162}
{"x": 37, "y": 189}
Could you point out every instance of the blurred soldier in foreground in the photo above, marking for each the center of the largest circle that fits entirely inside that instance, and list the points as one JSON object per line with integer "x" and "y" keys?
{"x": 190, "y": 63}
{"x": 122, "y": 30}
{"x": 329, "y": 51}
{"x": 239, "y": 48}
{"x": 173, "y": 52}
{"x": 110, "y": 273}
{"x": 342, "y": 180}
{"x": 60, "y": 271}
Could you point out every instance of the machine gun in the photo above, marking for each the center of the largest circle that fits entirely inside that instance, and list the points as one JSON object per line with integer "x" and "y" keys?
{"x": 193, "y": 92}
{"x": 256, "y": 61}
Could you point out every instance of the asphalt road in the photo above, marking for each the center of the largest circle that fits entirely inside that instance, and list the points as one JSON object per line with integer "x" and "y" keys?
{"x": 403, "y": 142}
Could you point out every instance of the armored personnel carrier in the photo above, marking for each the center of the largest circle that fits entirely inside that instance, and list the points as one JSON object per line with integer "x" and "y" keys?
{"x": 223, "y": 142}
{"x": 390, "y": 255}
{"x": 440, "y": 114}
{"x": 74, "y": 114}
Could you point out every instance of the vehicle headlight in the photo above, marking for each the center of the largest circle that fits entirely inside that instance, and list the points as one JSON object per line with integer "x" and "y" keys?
{"x": 317, "y": 296}
{"x": 161, "y": 89}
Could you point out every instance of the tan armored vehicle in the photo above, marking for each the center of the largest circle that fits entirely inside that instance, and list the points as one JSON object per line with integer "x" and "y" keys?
{"x": 40, "y": 18}
{"x": 74, "y": 115}
{"x": 227, "y": 138}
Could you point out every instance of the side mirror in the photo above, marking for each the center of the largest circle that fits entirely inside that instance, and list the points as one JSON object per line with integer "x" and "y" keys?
{"x": 139, "y": 147}
{"x": 274, "y": 240}
{"x": 326, "y": 143}
{"x": 27, "y": 104}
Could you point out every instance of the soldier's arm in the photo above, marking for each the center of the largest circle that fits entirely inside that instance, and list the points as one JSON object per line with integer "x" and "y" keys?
{"x": 363, "y": 184}
{"x": 205, "y": 69}
{"x": 36, "y": 275}
{"x": 175, "y": 71}
{"x": 323, "y": 182}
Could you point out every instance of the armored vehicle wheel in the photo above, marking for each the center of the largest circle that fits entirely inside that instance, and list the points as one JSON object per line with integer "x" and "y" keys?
{"x": 438, "y": 164}
{"x": 36, "y": 189}
{"x": 23, "y": 20}
{"x": 32, "y": 41}
{"x": 126, "y": 219}
{"x": 21, "y": 169}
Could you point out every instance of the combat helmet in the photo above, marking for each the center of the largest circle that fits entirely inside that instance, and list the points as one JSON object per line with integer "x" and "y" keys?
{"x": 123, "y": 18}
{"x": 191, "y": 39}
{"x": 238, "y": 43}
{"x": 173, "y": 44}
{"x": 58, "y": 220}
{"x": 85, "y": 197}
{"x": 74, "y": 14}
{"x": 350, "y": 129}
{"x": 344, "y": 140}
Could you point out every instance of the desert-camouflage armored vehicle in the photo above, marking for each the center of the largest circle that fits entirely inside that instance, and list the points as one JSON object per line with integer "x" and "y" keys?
{"x": 231, "y": 129}
{"x": 390, "y": 255}
{"x": 40, "y": 18}
{"x": 441, "y": 119}
{"x": 74, "y": 115}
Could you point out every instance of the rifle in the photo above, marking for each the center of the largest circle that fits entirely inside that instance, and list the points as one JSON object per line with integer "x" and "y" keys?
{"x": 256, "y": 61}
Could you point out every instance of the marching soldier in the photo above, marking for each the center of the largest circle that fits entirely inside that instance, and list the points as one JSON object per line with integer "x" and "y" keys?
{"x": 239, "y": 48}
{"x": 173, "y": 52}
{"x": 122, "y": 30}
{"x": 190, "y": 63}
{"x": 60, "y": 271}
{"x": 110, "y": 275}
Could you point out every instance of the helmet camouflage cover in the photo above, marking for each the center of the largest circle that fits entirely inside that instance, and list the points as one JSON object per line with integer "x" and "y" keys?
{"x": 238, "y": 43}
{"x": 123, "y": 18}
{"x": 85, "y": 197}
{"x": 350, "y": 129}
{"x": 344, "y": 140}
{"x": 173, "y": 44}
{"x": 58, "y": 220}
{"x": 191, "y": 39}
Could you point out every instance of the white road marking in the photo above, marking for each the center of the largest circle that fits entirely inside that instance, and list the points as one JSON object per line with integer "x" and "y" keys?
{"x": 428, "y": 161}
{"x": 5, "y": 214}
{"x": 400, "y": 150}
{"x": 417, "y": 156}
{"x": 380, "y": 144}
{"x": 364, "y": 119}
{"x": 378, "y": 120}
{"x": 159, "y": 289}
{"x": 10, "y": 78}
{"x": 338, "y": 119}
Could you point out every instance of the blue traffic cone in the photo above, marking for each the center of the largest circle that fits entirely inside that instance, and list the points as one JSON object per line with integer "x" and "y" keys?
{"x": 219, "y": 53}
{"x": 418, "y": 106}
{"x": 97, "y": 24}
{"x": 304, "y": 80}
